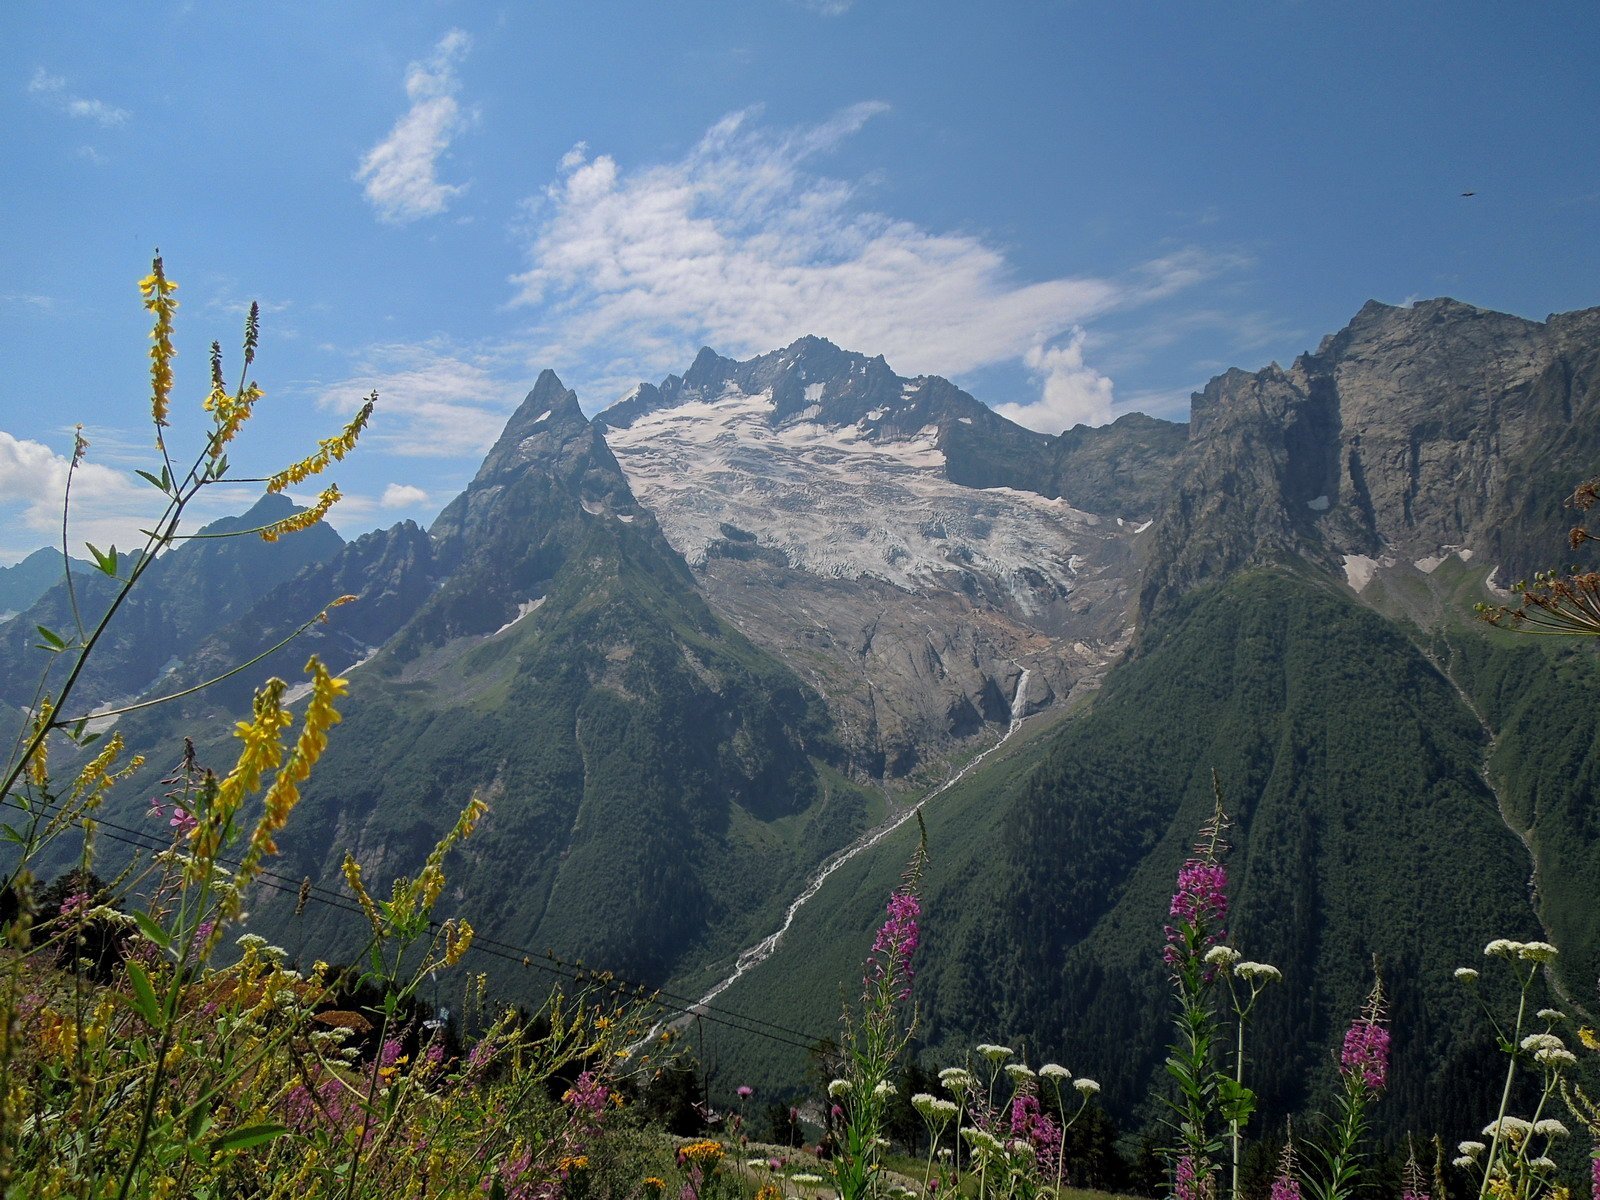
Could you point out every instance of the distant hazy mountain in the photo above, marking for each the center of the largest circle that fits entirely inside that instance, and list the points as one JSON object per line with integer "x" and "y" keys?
{"x": 24, "y": 582}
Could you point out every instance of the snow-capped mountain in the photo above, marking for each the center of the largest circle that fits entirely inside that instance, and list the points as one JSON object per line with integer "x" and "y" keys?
{"x": 941, "y": 590}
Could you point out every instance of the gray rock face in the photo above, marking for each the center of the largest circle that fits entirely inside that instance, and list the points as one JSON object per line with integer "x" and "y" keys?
{"x": 1411, "y": 433}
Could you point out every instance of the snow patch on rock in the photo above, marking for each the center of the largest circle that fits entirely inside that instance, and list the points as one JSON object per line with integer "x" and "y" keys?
{"x": 837, "y": 503}
{"x": 1359, "y": 570}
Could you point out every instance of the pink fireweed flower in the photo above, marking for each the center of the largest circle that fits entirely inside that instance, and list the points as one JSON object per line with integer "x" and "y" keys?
{"x": 897, "y": 941}
{"x": 1187, "y": 1184}
{"x": 1365, "y": 1056}
{"x": 587, "y": 1094}
{"x": 182, "y": 819}
{"x": 1200, "y": 904}
{"x": 74, "y": 904}
{"x": 1028, "y": 1120}
{"x": 1285, "y": 1185}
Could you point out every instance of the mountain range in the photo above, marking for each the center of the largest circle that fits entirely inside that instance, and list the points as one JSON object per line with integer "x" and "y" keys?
{"x": 703, "y": 653}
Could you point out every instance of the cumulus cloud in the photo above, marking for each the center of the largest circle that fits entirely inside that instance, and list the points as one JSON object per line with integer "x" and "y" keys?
{"x": 434, "y": 399}
{"x": 1074, "y": 393}
{"x": 743, "y": 245}
{"x": 52, "y": 90}
{"x": 402, "y": 495}
{"x": 108, "y": 506}
{"x": 401, "y": 173}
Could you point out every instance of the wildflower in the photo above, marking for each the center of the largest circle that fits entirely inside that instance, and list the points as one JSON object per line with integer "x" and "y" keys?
{"x": 1513, "y": 1128}
{"x": 654, "y": 1181}
{"x": 74, "y": 904}
{"x": 923, "y": 1103}
{"x": 157, "y": 292}
{"x": 328, "y": 450}
{"x": 1086, "y": 1087}
{"x": 982, "y": 1140}
{"x": 1258, "y": 972}
{"x": 1365, "y": 1056}
{"x": 884, "y": 1090}
{"x": 1556, "y": 1059}
{"x": 805, "y": 1179}
{"x": 1542, "y": 1163}
{"x": 1020, "y": 1073}
{"x": 1537, "y": 952}
{"x": 1054, "y": 1071}
{"x": 1221, "y": 956}
{"x": 1285, "y": 1186}
{"x": 250, "y": 941}
{"x": 182, "y": 819}
{"x": 956, "y": 1079}
{"x": 1502, "y": 948}
{"x": 1465, "y": 1162}
{"x": 705, "y": 1151}
{"x": 1551, "y": 1014}
{"x": 995, "y": 1054}
{"x": 587, "y": 1094}
{"x": 1472, "y": 1149}
{"x": 1188, "y": 1185}
{"x": 1466, "y": 975}
{"x": 1200, "y": 904}
{"x": 744, "y": 1091}
{"x": 1550, "y": 1127}
{"x": 839, "y": 1087}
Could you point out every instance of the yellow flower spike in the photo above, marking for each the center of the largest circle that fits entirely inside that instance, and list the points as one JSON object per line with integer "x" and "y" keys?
{"x": 303, "y": 520}
{"x": 39, "y": 763}
{"x": 352, "y": 876}
{"x": 262, "y": 751}
{"x": 457, "y": 941}
{"x": 1587, "y": 1037}
{"x": 157, "y": 291}
{"x": 329, "y": 450}
{"x": 96, "y": 774}
{"x": 284, "y": 793}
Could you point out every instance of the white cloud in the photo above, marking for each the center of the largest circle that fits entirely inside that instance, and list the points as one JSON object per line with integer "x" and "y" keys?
{"x": 52, "y": 90}
{"x": 434, "y": 400}
{"x": 401, "y": 172}
{"x": 402, "y": 495}
{"x": 1074, "y": 392}
{"x": 742, "y": 246}
{"x": 108, "y": 506}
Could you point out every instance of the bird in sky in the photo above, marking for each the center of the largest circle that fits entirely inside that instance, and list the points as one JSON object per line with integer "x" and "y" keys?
{"x": 1469, "y": 193}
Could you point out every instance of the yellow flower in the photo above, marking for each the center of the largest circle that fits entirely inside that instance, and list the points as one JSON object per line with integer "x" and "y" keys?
{"x": 303, "y": 520}
{"x": 157, "y": 292}
{"x": 457, "y": 940}
{"x": 328, "y": 450}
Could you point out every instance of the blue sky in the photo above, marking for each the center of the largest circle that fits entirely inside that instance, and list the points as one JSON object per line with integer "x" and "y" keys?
{"x": 1073, "y": 208}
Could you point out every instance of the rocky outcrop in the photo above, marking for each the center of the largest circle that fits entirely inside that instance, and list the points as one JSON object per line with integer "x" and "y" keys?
{"x": 1410, "y": 433}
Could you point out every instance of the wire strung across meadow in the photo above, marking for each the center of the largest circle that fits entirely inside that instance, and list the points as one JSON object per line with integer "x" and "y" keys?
{"x": 548, "y": 961}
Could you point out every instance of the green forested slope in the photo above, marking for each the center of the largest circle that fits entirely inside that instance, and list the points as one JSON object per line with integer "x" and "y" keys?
{"x": 1363, "y": 826}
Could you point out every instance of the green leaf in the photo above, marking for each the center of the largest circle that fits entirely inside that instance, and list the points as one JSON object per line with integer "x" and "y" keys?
{"x": 144, "y": 996}
{"x": 106, "y": 563}
{"x": 161, "y": 483}
{"x": 246, "y": 1136}
{"x": 54, "y": 639}
{"x": 222, "y": 466}
{"x": 152, "y": 929}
